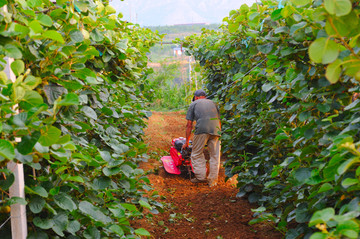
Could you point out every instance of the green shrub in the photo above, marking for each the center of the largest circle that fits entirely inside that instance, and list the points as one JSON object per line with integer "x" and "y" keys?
{"x": 170, "y": 89}
{"x": 79, "y": 90}
{"x": 285, "y": 76}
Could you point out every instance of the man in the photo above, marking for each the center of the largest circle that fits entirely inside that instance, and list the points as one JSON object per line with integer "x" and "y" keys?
{"x": 207, "y": 131}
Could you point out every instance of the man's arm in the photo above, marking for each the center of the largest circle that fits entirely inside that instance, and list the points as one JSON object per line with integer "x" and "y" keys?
{"x": 189, "y": 126}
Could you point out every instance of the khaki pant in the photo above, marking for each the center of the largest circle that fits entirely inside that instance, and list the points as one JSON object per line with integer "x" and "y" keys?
{"x": 198, "y": 158}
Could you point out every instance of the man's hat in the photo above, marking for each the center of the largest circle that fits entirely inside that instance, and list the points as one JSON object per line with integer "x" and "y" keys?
{"x": 198, "y": 93}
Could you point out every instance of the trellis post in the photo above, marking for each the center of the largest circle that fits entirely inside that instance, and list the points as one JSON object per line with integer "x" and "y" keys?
{"x": 17, "y": 189}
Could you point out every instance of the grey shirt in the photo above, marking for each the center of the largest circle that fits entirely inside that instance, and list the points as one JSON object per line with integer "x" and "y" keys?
{"x": 206, "y": 114}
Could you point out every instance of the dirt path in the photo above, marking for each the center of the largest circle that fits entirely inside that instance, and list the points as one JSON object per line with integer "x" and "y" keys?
{"x": 194, "y": 211}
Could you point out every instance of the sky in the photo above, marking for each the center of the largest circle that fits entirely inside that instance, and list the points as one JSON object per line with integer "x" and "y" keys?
{"x": 170, "y": 12}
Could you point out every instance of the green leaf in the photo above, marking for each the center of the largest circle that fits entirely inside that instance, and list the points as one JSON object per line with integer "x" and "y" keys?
{"x": 45, "y": 20}
{"x": 81, "y": 6}
{"x": 302, "y": 213}
{"x": 256, "y": 221}
{"x": 3, "y": 2}
{"x": 70, "y": 146}
{"x": 34, "y": 3}
{"x": 20, "y": 119}
{"x": 324, "y": 108}
{"x": 92, "y": 233}
{"x": 319, "y": 235}
{"x": 89, "y": 112}
{"x": 109, "y": 9}
{"x": 40, "y": 191}
{"x": 76, "y": 36}
{"x": 267, "y": 87}
{"x": 338, "y": 7}
{"x": 297, "y": 27}
{"x": 346, "y": 165}
{"x": 35, "y": 26}
{"x": 65, "y": 202}
{"x": 354, "y": 41}
{"x": 344, "y": 25}
{"x": 302, "y": 174}
{"x": 60, "y": 170}
{"x": 145, "y": 204}
{"x": 21, "y": 30}
{"x": 7, "y": 149}
{"x": 266, "y": 48}
{"x": 78, "y": 66}
{"x": 60, "y": 223}
{"x": 233, "y": 27}
{"x": 83, "y": 73}
{"x": 276, "y": 15}
{"x": 31, "y": 99}
{"x": 117, "y": 212}
{"x": 325, "y": 187}
{"x": 322, "y": 216}
{"x": 117, "y": 229}
{"x": 281, "y": 30}
{"x": 94, "y": 212}
{"x": 304, "y": 116}
{"x": 281, "y": 137}
{"x": 96, "y": 35}
{"x": 50, "y": 209}
{"x": 130, "y": 207}
{"x": 18, "y": 67}
{"x": 50, "y": 137}
{"x": 43, "y": 223}
{"x": 73, "y": 227}
{"x": 31, "y": 82}
{"x": 12, "y": 51}
{"x": 111, "y": 171}
{"x": 122, "y": 45}
{"x": 101, "y": 183}
{"x": 333, "y": 71}
{"x": 254, "y": 17}
{"x": 78, "y": 179}
{"x": 36, "y": 204}
{"x": 142, "y": 232}
{"x": 53, "y": 35}
{"x": 323, "y": 50}
{"x": 348, "y": 228}
{"x": 350, "y": 233}
{"x": 349, "y": 182}
{"x": 64, "y": 139}
{"x": 105, "y": 155}
{"x": 53, "y": 92}
{"x": 16, "y": 200}
{"x": 28, "y": 142}
{"x": 54, "y": 191}
{"x": 5, "y": 184}
{"x": 301, "y": 2}
{"x": 19, "y": 93}
{"x": 69, "y": 99}
{"x": 309, "y": 133}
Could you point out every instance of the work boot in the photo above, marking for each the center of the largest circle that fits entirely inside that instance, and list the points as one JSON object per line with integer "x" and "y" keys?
{"x": 212, "y": 182}
{"x": 195, "y": 180}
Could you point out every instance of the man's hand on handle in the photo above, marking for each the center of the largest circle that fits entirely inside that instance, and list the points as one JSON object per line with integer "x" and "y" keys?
{"x": 189, "y": 126}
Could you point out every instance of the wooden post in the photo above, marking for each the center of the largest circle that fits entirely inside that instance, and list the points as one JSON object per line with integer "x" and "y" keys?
{"x": 190, "y": 73}
{"x": 18, "y": 211}
{"x": 17, "y": 189}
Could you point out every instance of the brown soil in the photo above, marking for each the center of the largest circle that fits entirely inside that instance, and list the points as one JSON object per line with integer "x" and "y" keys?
{"x": 193, "y": 210}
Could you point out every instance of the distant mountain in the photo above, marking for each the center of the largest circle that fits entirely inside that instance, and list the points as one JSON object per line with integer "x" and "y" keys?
{"x": 170, "y": 12}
